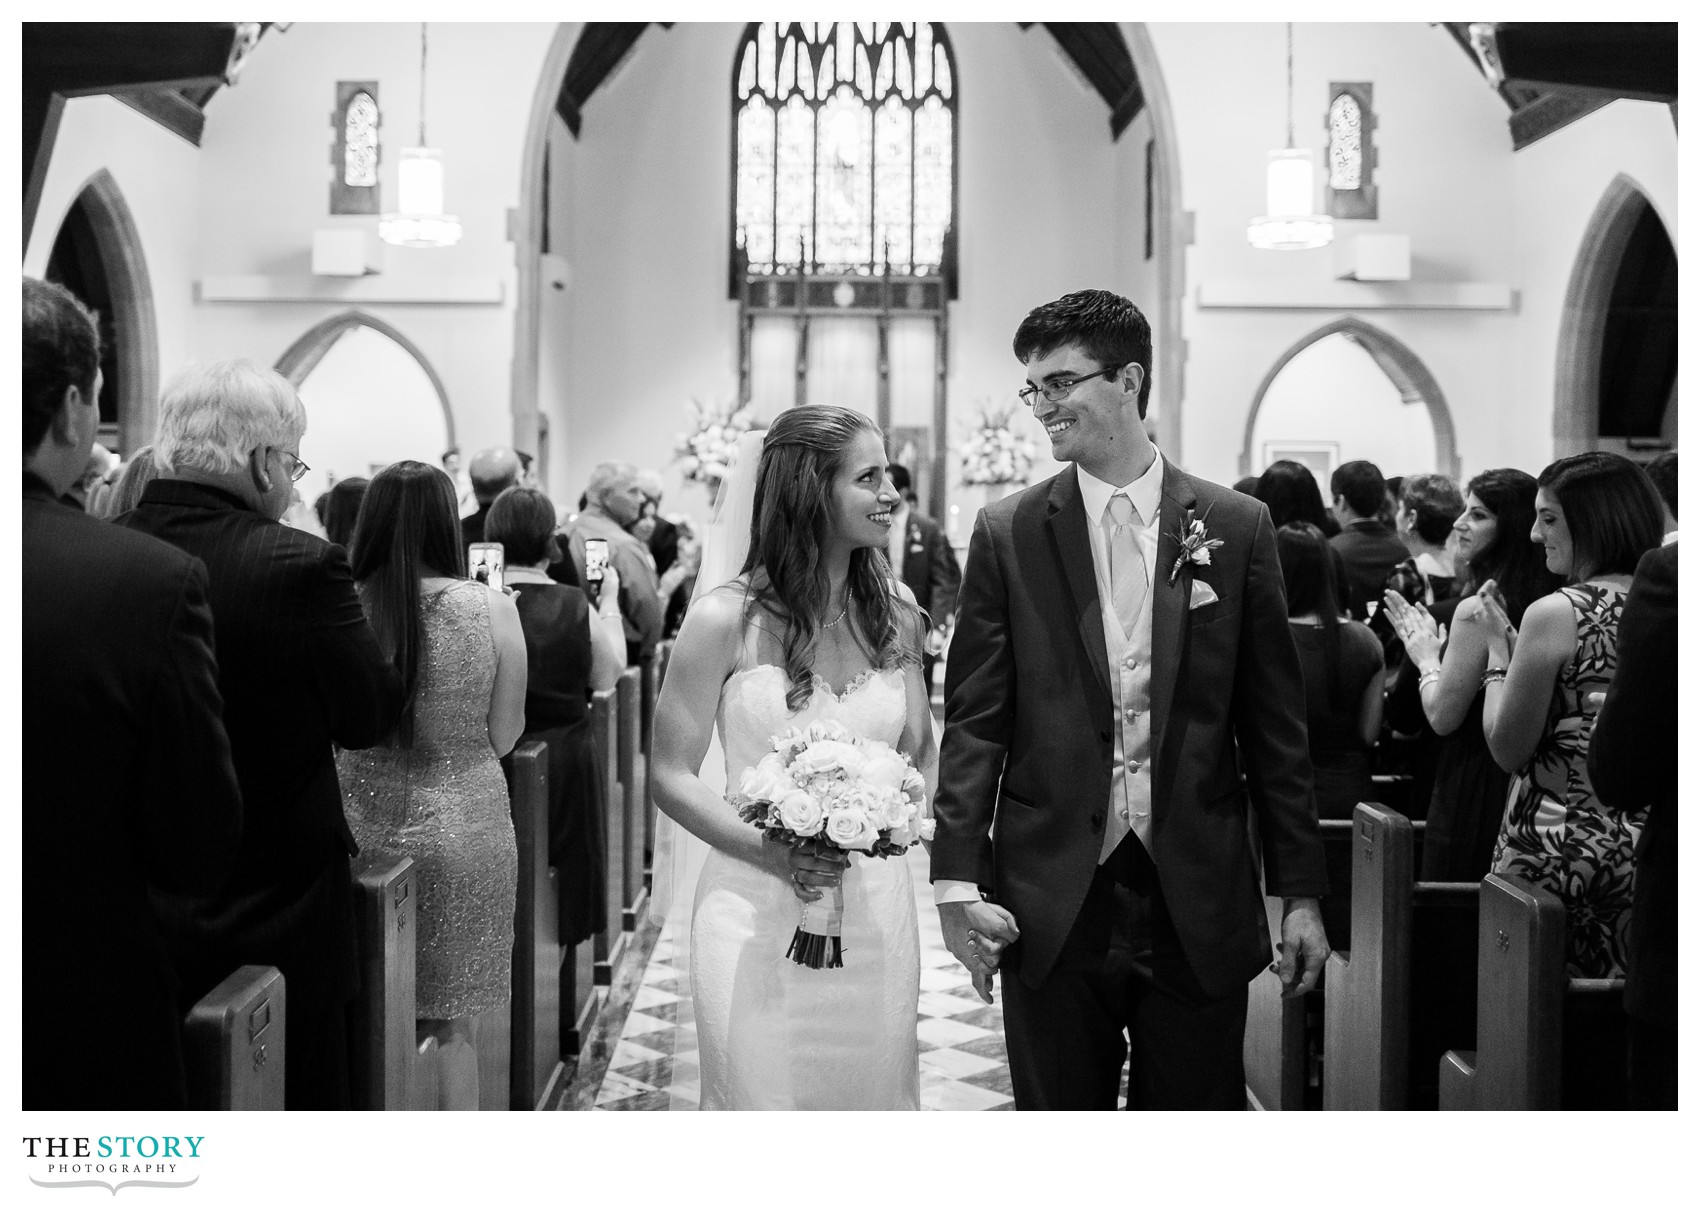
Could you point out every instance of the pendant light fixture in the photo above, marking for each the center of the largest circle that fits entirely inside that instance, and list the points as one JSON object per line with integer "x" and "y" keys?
{"x": 1290, "y": 224}
{"x": 420, "y": 221}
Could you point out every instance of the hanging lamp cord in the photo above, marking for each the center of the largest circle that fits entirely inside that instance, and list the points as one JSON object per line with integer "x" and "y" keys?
{"x": 422, "y": 85}
{"x": 1289, "y": 88}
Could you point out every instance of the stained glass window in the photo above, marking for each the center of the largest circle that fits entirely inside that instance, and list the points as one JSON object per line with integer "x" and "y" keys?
{"x": 1345, "y": 143}
{"x": 844, "y": 139}
{"x": 360, "y": 142}
{"x": 1350, "y": 122}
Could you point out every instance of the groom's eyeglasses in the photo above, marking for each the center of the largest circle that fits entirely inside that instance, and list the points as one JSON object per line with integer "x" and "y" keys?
{"x": 1057, "y": 390}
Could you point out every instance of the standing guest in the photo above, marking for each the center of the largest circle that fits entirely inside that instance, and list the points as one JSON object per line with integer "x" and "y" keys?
{"x": 571, "y": 650}
{"x": 1632, "y": 760}
{"x": 921, "y": 555}
{"x": 137, "y": 473}
{"x": 664, "y": 539}
{"x": 466, "y": 502}
{"x": 685, "y": 568}
{"x": 1596, "y": 515}
{"x": 1341, "y": 659}
{"x": 433, "y": 791}
{"x": 1105, "y": 692}
{"x": 1428, "y": 507}
{"x": 1366, "y": 544}
{"x": 1289, "y": 490}
{"x": 300, "y": 671}
{"x": 1246, "y": 485}
{"x": 493, "y": 472}
{"x": 613, "y": 501}
{"x": 127, "y": 784}
{"x": 343, "y": 509}
{"x": 95, "y": 467}
{"x": 1662, "y": 471}
{"x": 1440, "y": 684}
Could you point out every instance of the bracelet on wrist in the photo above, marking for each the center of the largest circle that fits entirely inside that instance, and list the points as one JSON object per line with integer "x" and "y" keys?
{"x": 1428, "y": 679}
{"x": 1494, "y": 674}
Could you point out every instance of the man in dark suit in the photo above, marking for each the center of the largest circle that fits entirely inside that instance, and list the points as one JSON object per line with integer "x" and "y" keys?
{"x": 300, "y": 670}
{"x": 127, "y": 781}
{"x": 1106, "y": 690}
{"x": 1632, "y": 761}
{"x": 1366, "y": 544}
{"x": 921, "y": 555}
{"x": 492, "y": 472}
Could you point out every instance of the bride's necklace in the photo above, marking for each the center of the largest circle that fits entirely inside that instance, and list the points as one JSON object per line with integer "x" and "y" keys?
{"x": 841, "y": 614}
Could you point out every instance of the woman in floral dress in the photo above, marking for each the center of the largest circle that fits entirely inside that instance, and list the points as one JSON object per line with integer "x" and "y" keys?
{"x": 1595, "y": 515}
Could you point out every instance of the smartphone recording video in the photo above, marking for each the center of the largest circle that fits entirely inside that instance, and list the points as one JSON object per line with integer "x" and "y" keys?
{"x": 595, "y": 566}
{"x": 484, "y": 563}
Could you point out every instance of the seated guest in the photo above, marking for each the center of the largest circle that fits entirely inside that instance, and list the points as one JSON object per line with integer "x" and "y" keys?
{"x": 1366, "y": 544}
{"x": 1632, "y": 760}
{"x": 1596, "y": 515}
{"x": 300, "y": 671}
{"x": 1342, "y": 668}
{"x": 434, "y": 791}
{"x": 342, "y": 508}
{"x": 1662, "y": 471}
{"x": 493, "y": 471}
{"x": 1440, "y": 683}
{"x": 1428, "y": 506}
{"x": 613, "y": 502}
{"x": 127, "y": 784}
{"x": 136, "y": 473}
{"x": 571, "y": 650}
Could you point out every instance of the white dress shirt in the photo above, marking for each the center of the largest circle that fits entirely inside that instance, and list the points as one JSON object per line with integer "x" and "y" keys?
{"x": 1129, "y": 658}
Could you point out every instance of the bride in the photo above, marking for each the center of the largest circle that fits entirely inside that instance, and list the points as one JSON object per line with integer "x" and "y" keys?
{"x": 813, "y": 627}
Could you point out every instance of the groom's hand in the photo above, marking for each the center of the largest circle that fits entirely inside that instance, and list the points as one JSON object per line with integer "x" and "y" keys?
{"x": 1304, "y": 946}
{"x": 976, "y": 932}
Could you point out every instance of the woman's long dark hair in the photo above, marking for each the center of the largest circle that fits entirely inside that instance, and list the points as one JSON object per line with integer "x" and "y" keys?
{"x": 790, "y": 528}
{"x": 408, "y": 527}
{"x": 1512, "y": 561}
{"x": 1308, "y": 573}
{"x": 1289, "y": 489}
{"x": 342, "y": 509}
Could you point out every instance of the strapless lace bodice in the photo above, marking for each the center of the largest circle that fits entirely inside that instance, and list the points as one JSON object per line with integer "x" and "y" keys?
{"x": 774, "y": 1035}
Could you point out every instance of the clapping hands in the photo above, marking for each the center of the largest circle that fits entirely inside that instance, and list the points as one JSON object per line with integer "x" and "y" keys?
{"x": 1422, "y": 636}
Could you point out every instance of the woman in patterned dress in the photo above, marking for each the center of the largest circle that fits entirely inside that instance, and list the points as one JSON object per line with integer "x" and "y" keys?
{"x": 1595, "y": 515}
{"x": 435, "y": 791}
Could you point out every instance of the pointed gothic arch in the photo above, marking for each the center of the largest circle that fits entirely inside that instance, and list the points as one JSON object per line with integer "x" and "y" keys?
{"x": 134, "y": 333}
{"x": 1397, "y": 361}
{"x": 309, "y": 349}
{"x": 1587, "y": 305}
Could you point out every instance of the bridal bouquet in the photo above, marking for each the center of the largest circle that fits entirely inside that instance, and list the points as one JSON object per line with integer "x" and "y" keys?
{"x": 826, "y": 785}
{"x": 703, "y": 454}
{"x": 994, "y": 453}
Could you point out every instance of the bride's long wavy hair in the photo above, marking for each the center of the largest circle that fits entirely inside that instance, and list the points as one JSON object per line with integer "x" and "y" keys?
{"x": 792, "y": 521}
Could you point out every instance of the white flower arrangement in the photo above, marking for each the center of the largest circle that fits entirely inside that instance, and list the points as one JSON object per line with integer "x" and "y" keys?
{"x": 994, "y": 453}
{"x": 703, "y": 453}
{"x": 827, "y": 786}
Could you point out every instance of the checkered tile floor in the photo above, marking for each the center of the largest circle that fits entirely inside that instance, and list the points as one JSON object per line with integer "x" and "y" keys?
{"x": 963, "y": 1064}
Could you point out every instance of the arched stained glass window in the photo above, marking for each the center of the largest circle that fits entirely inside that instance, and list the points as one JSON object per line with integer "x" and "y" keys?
{"x": 1351, "y": 151}
{"x": 844, "y": 146}
{"x": 360, "y": 141}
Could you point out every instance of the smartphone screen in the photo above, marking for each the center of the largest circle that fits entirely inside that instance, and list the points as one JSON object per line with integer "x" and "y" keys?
{"x": 484, "y": 563}
{"x": 595, "y": 564}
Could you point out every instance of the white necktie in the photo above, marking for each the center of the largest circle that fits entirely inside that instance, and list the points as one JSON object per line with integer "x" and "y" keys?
{"x": 1127, "y": 564}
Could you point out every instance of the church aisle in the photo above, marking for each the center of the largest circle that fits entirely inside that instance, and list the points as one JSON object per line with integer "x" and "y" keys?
{"x": 963, "y": 1066}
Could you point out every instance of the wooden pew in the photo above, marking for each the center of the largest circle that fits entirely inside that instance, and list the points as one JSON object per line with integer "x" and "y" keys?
{"x": 1544, "y": 1041}
{"x": 233, "y": 1043}
{"x": 534, "y": 1064}
{"x": 1405, "y": 987}
{"x": 605, "y": 729}
{"x": 381, "y": 1039}
{"x": 634, "y": 779}
{"x": 423, "y": 1093}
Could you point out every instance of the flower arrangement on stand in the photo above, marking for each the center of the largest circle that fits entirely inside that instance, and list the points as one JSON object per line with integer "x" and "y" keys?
{"x": 994, "y": 455}
{"x": 704, "y": 452}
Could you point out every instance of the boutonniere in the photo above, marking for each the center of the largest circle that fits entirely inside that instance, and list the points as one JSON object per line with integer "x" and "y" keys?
{"x": 1196, "y": 544}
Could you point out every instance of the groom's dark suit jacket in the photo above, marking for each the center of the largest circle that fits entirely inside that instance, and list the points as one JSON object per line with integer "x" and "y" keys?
{"x": 1028, "y": 742}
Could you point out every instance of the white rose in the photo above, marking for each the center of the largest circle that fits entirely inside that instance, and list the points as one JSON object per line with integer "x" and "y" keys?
{"x": 801, "y": 813}
{"x": 926, "y": 828}
{"x": 914, "y": 786}
{"x": 884, "y": 768}
{"x": 767, "y": 780}
{"x": 820, "y": 757}
{"x": 895, "y": 811}
{"x": 850, "y": 829}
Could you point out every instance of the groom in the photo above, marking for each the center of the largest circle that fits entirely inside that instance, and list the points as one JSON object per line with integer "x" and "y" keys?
{"x": 1106, "y": 690}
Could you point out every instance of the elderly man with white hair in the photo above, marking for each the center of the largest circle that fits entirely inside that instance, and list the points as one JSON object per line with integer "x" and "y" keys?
{"x": 300, "y": 670}
{"x": 613, "y": 501}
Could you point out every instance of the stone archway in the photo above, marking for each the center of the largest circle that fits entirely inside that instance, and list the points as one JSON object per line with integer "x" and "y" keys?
{"x": 1587, "y": 302}
{"x": 1396, "y": 360}
{"x": 311, "y": 346}
{"x": 119, "y": 243}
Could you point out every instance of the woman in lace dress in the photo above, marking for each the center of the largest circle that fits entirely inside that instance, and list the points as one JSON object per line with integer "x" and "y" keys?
{"x": 1596, "y": 514}
{"x": 435, "y": 792}
{"x": 815, "y": 627}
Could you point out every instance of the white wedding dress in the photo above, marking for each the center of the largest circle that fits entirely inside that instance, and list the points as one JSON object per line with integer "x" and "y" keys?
{"x": 772, "y": 1034}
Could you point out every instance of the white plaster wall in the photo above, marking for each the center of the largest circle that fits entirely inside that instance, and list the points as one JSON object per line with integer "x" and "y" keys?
{"x": 264, "y": 187}
{"x": 157, "y": 173}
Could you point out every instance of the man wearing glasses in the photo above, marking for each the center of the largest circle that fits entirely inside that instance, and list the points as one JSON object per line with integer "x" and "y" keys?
{"x": 1122, "y": 656}
{"x": 300, "y": 670}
